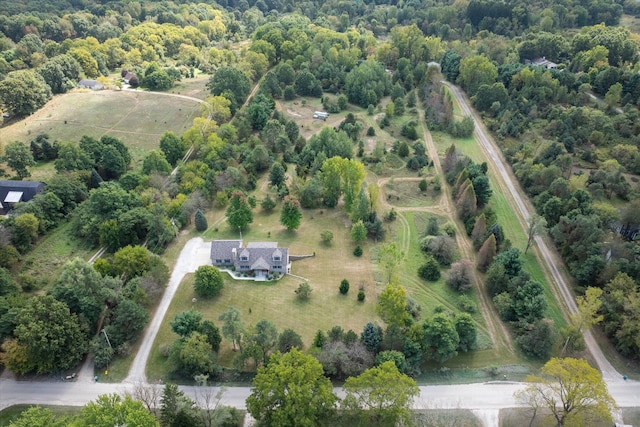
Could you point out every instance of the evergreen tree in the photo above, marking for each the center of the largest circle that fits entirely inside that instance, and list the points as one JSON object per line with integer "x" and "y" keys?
{"x": 201, "y": 221}
{"x": 486, "y": 253}
{"x": 371, "y": 337}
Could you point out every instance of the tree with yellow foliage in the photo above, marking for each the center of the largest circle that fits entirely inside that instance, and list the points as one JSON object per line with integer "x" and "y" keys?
{"x": 571, "y": 390}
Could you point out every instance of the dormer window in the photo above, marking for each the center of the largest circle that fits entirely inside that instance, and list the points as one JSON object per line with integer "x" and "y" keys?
{"x": 276, "y": 258}
{"x": 244, "y": 258}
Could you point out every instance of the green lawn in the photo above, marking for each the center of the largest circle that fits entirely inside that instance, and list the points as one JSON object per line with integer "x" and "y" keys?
{"x": 277, "y": 301}
{"x": 407, "y": 193}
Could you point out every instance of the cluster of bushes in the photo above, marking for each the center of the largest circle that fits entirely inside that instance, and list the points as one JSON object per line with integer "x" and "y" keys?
{"x": 346, "y": 354}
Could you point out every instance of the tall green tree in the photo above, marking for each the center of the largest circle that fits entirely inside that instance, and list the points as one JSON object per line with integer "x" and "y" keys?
{"x": 277, "y": 175}
{"x": 208, "y": 282}
{"x": 475, "y": 71}
{"x": 358, "y": 232}
{"x": 109, "y": 410}
{"x": 51, "y": 336}
{"x": 381, "y": 394}
{"x": 23, "y": 92}
{"x": 392, "y": 305}
{"x": 83, "y": 289}
{"x": 238, "y": 213}
{"x": 232, "y": 327}
{"x": 263, "y": 338}
{"x": 172, "y": 147}
{"x": 173, "y": 403}
{"x": 186, "y": 322}
{"x": 19, "y": 158}
{"x": 389, "y": 258}
{"x": 25, "y": 231}
{"x": 200, "y": 221}
{"x": 441, "y": 339}
{"x": 291, "y": 215}
{"x": 194, "y": 355}
{"x": 289, "y": 339}
{"x": 155, "y": 161}
{"x": 291, "y": 390}
{"x": 230, "y": 83}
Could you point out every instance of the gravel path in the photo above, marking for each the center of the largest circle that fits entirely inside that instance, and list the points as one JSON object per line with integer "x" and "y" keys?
{"x": 550, "y": 258}
{"x": 194, "y": 254}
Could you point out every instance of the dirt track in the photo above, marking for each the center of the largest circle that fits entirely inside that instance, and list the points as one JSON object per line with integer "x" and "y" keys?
{"x": 547, "y": 256}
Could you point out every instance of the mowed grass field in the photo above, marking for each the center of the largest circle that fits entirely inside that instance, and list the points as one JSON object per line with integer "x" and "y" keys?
{"x": 277, "y": 301}
{"x": 137, "y": 118}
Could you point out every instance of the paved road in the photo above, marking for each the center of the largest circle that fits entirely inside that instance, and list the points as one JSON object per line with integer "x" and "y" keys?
{"x": 550, "y": 258}
{"x": 485, "y": 399}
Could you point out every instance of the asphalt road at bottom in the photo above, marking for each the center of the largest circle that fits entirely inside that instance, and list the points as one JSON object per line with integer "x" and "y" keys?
{"x": 479, "y": 396}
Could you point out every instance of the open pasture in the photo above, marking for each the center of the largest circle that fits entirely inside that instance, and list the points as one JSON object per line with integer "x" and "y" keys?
{"x": 137, "y": 118}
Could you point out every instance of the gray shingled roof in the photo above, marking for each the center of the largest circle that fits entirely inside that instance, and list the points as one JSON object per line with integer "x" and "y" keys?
{"x": 260, "y": 264}
{"x": 262, "y": 245}
{"x": 222, "y": 249}
{"x": 260, "y": 255}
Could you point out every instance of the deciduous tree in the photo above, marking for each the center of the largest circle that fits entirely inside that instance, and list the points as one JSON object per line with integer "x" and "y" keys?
{"x": 572, "y": 391}
{"x": 291, "y": 390}
{"x": 536, "y": 225}
{"x": 186, "y": 322}
{"x": 37, "y": 416}
{"x": 382, "y": 394}
{"x": 389, "y": 257}
{"x": 441, "y": 339}
{"x": 392, "y": 305}
{"x": 110, "y": 409}
{"x": 291, "y": 215}
{"x": 208, "y": 281}
{"x": 51, "y": 336}
{"x": 155, "y": 161}
{"x": 239, "y": 214}
{"x": 23, "y": 92}
{"x": 19, "y": 158}
{"x": 172, "y": 147}
{"x": 460, "y": 275}
{"x": 288, "y": 340}
{"x": 232, "y": 328}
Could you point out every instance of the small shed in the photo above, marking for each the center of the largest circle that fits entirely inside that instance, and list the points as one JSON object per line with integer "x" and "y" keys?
{"x": 127, "y": 77}
{"x": 90, "y": 84}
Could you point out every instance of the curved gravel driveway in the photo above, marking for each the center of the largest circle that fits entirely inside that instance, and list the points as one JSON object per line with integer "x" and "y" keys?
{"x": 194, "y": 254}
